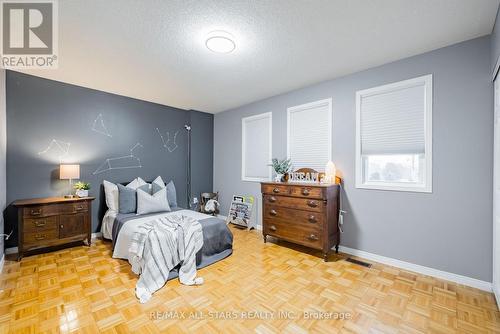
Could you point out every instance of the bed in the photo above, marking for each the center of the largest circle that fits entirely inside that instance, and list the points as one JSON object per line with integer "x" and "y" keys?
{"x": 217, "y": 238}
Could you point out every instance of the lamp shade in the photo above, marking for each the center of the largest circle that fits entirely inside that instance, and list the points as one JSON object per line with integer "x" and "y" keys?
{"x": 69, "y": 172}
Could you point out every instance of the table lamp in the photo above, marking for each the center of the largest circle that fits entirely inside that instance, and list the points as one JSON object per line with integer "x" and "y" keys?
{"x": 69, "y": 172}
{"x": 330, "y": 172}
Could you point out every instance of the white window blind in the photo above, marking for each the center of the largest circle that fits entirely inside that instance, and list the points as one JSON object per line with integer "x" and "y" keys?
{"x": 392, "y": 122}
{"x": 309, "y": 143}
{"x": 256, "y": 147}
{"x": 394, "y": 136}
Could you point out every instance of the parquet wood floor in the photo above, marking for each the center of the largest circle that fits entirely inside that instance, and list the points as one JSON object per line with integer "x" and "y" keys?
{"x": 261, "y": 288}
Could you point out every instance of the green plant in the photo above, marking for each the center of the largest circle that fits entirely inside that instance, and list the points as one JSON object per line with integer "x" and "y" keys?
{"x": 82, "y": 186}
{"x": 281, "y": 166}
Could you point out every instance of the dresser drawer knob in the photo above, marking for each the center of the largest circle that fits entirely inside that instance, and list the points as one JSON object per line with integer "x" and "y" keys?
{"x": 273, "y": 213}
{"x": 61, "y": 226}
{"x": 313, "y": 237}
{"x": 312, "y": 204}
{"x": 79, "y": 208}
{"x": 272, "y": 228}
{"x": 272, "y": 199}
{"x": 40, "y": 236}
{"x": 312, "y": 219}
{"x": 305, "y": 192}
{"x": 39, "y": 224}
{"x": 276, "y": 190}
{"x": 36, "y": 212}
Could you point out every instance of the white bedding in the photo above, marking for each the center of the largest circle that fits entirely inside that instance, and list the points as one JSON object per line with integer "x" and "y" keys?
{"x": 127, "y": 231}
{"x": 107, "y": 224}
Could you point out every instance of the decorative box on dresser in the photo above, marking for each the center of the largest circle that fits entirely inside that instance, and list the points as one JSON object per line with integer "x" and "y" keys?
{"x": 302, "y": 213}
{"x": 52, "y": 221}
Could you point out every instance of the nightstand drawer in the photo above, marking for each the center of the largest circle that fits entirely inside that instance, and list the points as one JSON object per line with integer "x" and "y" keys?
{"x": 36, "y": 238}
{"x": 40, "y": 224}
{"x": 40, "y": 211}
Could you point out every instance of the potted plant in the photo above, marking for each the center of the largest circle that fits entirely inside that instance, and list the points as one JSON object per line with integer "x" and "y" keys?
{"x": 281, "y": 168}
{"x": 82, "y": 189}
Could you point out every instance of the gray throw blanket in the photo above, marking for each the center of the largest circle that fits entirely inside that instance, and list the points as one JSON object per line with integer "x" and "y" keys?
{"x": 159, "y": 246}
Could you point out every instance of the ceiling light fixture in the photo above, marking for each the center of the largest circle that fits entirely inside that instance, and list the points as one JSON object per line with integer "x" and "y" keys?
{"x": 220, "y": 42}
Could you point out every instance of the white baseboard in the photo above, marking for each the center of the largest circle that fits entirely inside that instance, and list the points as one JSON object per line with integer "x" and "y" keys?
{"x": 97, "y": 235}
{"x": 2, "y": 262}
{"x": 469, "y": 281}
{"x": 496, "y": 292}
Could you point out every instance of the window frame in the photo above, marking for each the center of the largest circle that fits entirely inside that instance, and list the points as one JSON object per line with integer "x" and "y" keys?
{"x": 268, "y": 115}
{"x": 306, "y": 106}
{"x": 426, "y": 187}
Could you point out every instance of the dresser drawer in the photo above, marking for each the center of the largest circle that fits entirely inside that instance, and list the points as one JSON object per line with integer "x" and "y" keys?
{"x": 40, "y": 224}
{"x": 40, "y": 211}
{"x": 306, "y": 219}
{"x": 275, "y": 189}
{"x": 295, "y": 203}
{"x": 308, "y": 192}
{"x": 307, "y": 235}
{"x": 38, "y": 238}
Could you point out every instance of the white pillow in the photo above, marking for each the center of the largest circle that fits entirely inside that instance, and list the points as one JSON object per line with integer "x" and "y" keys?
{"x": 159, "y": 181}
{"x": 111, "y": 192}
{"x": 136, "y": 183}
{"x": 147, "y": 203}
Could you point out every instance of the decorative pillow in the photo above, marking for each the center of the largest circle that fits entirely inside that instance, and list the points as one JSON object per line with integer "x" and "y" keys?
{"x": 136, "y": 183}
{"x": 128, "y": 197}
{"x": 111, "y": 192}
{"x": 147, "y": 203}
{"x": 171, "y": 194}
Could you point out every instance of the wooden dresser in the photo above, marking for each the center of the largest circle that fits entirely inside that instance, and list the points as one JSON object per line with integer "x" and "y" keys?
{"x": 302, "y": 213}
{"x": 52, "y": 221}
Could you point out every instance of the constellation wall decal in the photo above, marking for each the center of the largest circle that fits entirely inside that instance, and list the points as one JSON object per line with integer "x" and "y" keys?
{"x": 170, "y": 144}
{"x": 123, "y": 162}
{"x": 61, "y": 146}
{"x": 100, "y": 127}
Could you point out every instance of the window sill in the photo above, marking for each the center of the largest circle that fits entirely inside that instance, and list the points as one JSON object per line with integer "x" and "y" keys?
{"x": 396, "y": 187}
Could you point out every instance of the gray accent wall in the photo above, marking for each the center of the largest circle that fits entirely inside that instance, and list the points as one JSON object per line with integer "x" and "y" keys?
{"x": 202, "y": 162}
{"x": 449, "y": 229}
{"x": 3, "y": 158}
{"x": 40, "y": 110}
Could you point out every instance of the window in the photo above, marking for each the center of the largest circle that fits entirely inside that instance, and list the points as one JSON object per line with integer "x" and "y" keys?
{"x": 309, "y": 135}
{"x": 256, "y": 147}
{"x": 394, "y": 136}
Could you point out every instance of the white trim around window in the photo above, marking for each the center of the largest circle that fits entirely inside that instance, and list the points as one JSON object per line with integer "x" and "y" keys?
{"x": 426, "y": 184}
{"x": 269, "y": 145}
{"x": 319, "y": 143}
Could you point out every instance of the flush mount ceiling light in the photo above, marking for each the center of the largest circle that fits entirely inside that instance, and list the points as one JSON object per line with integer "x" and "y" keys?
{"x": 220, "y": 42}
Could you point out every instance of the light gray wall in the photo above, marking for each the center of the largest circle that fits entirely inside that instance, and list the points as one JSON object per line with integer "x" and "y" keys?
{"x": 449, "y": 229}
{"x": 495, "y": 42}
{"x": 39, "y": 110}
{"x": 3, "y": 157}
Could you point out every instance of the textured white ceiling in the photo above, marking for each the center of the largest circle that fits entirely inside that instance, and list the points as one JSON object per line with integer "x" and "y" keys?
{"x": 154, "y": 50}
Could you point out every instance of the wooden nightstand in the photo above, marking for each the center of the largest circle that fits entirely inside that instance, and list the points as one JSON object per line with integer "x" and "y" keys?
{"x": 52, "y": 221}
